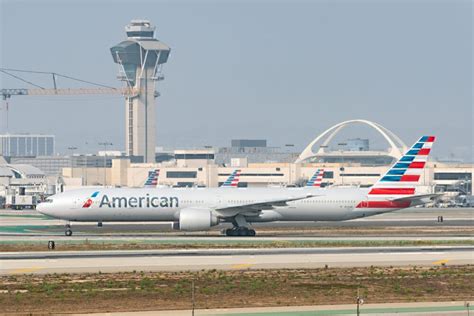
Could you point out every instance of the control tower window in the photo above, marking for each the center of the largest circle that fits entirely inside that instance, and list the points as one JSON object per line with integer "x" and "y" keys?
{"x": 140, "y": 34}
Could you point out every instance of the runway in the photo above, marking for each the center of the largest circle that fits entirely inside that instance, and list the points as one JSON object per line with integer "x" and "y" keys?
{"x": 229, "y": 259}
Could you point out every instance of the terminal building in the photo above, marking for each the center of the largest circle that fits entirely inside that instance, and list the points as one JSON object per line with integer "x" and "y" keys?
{"x": 355, "y": 164}
{"x": 24, "y": 185}
{"x": 22, "y": 145}
{"x": 253, "y": 151}
{"x": 349, "y": 163}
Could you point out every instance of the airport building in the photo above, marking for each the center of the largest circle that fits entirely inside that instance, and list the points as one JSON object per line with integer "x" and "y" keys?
{"x": 22, "y": 145}
{"x": 351, "y": 162}
{"x": 54, "y": 165}
{"x": 355, "y": 165}
{"x": 253, "y": 151}
{"x": 24, "y": 185}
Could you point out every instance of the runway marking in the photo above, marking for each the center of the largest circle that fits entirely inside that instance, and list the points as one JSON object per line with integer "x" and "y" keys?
{"x": 25, "y": 270}
{"x": 443, "y": 261}
{"x": 241, "y": 266}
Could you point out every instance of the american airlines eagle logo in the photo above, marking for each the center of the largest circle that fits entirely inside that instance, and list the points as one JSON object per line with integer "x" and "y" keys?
{"x": 89, "y": 201}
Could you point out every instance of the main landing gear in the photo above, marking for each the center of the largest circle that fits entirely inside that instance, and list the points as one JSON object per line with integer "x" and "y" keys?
{"x": 240, "y": 231}
{"x": 241, "y": 227}
{"x": 68, "y": 231}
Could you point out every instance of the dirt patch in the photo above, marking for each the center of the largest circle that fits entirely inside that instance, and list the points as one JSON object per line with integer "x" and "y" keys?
{"x": 135, "y": 291}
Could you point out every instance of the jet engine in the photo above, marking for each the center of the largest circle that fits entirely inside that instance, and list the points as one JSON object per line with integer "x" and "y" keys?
{"x": 195, "y": 219}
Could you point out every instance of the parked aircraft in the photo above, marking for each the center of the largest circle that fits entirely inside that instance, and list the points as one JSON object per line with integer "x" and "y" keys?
{"x": 233, "y": 180}
{"x": 152, "y": 180}
{"x": 316, "y": 179}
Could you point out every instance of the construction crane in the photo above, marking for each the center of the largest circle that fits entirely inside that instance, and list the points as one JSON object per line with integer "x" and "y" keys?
{"x": 7, "y": 93}
{"x": 39, "y": 90}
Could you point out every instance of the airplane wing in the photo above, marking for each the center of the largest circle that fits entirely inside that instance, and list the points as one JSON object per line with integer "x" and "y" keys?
{"x": 255, "y": 207}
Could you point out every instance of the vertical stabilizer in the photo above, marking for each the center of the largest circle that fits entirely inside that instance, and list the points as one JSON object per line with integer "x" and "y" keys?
{"x": 403, "y": 177}
{"x": 232, "y": 180}
{"x": 316, "y": 179}
{"x": 152, "y": 180}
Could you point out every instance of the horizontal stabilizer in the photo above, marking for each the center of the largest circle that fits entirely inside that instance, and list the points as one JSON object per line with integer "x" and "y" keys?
{"x": 419, "y": 197}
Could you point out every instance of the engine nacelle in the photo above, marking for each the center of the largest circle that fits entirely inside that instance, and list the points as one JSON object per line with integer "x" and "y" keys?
{"x": 195, "y": 219}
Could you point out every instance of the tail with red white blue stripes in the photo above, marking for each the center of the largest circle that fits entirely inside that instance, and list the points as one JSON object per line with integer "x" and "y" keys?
{"x": 233, "y": 180}
{"x": 404, "y": 175}
{"x": 152, "y": 180}
{"x": 316, "y": 179}
{"x": 397, "y": 188}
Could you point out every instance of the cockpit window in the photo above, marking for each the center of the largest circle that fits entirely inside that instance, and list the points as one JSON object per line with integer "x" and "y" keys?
{"x": 48, "y": 201}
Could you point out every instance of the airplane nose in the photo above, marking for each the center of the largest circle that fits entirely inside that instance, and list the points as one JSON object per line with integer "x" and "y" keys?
{"x": 41, "y": 208}
{"x": 45, "y": 209}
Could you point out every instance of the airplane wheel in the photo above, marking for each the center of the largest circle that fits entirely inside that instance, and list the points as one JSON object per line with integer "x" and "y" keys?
{"x": 240, "y": 231}
{"x": 68, "y": 232}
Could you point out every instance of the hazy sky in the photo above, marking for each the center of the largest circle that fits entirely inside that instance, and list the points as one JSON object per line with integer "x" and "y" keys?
{"x": 281, "y": 70}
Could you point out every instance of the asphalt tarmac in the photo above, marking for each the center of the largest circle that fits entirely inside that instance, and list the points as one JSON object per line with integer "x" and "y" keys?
{"x": 386, "y": 309}
{"x": 230, "y": 259}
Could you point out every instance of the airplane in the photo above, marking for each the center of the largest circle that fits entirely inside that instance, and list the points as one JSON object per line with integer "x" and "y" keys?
{"x": 233, "y": 180}
{"x": 200, "y": 209}
{"x": 316, "y": 179}
{"x": 152, "y": 180}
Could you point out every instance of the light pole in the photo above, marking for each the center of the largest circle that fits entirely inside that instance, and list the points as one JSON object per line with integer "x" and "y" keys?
{"x": 193, "y": 297}
{"x": 105, "y": 144}
{"x": 208, "y": 175}
{"x": 341, "y": 169}
{"x": 359, "y": 301}
{"x": 84, "y": 164}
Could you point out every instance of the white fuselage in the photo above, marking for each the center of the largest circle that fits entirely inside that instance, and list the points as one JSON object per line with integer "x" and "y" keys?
{"x": 165, "y": 204}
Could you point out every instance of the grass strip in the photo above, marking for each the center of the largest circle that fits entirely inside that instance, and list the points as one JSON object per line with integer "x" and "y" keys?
{"x": 134, "y": 291}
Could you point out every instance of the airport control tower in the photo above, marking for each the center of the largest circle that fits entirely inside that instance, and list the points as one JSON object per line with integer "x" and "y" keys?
{"x": 140, "y": 59}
